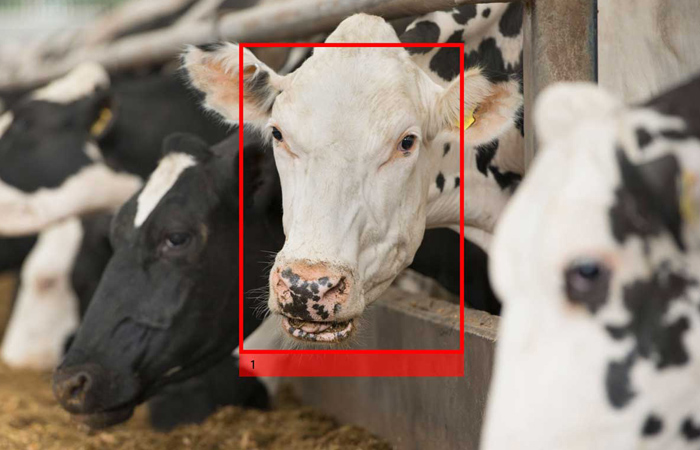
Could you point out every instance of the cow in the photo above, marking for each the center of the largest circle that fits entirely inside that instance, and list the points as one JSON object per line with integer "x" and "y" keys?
{"x": 597, "y": 260}
{"x": 78, "y": 145}
{"x": 359, "y": 192}
{"x": 166, "y": 308}
{"x": 70, "y": 147}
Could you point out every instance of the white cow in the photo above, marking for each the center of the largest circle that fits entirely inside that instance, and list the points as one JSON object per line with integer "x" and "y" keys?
{"x": 364, "y": 142}
{"x": 597, "y": 261}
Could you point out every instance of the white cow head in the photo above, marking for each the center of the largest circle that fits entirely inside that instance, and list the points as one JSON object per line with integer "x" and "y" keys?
{"x": 597, "y": 261}
{"x": 353, "y": 132}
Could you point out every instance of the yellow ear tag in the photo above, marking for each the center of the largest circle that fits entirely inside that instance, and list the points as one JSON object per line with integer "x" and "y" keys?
{"x": 101, "y": 123}
{"x": 468, "y": 120}
{"x": 689, "y": 210}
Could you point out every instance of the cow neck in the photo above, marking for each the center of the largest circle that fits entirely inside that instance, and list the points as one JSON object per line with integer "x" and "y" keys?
{"x": 487, "y": 196}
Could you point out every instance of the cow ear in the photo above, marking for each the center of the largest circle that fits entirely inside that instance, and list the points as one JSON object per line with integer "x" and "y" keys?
{"x": 562, "y": 106}
{"x": 214, "y": 70}
{"x": 489, "y": 108}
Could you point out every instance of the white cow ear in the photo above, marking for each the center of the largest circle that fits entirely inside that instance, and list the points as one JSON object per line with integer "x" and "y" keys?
{"x": 489, "y": 109}
{"x": 214, "y": 70}
{"x": 560, "y": 107}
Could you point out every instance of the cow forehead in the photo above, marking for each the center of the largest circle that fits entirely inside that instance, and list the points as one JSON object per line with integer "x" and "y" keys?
{"x": 160, "y": 183}
{"x": 353, "y": 90}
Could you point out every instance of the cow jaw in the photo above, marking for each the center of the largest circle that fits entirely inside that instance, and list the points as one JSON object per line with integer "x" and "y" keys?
{"x": 104, "y": 419}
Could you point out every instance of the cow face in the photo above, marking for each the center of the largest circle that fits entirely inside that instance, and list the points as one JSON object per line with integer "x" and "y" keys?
{"x": 166, "y": 306}
{"x": 50, "y": 164}
{"x": 596, "y": 260}
{"x": 352, "y": 131}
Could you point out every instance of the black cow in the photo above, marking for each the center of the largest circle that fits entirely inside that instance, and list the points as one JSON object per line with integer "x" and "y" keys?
{"x": 438, "y": 258}
{"x": 166, "y": 308}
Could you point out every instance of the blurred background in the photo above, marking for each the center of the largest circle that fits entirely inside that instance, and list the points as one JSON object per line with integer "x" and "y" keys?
{"x": 22, "y": 19}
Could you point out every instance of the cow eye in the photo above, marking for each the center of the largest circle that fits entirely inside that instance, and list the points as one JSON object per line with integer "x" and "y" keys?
{"x": 407, "y": 143}
{"x": 277, "y": 134}
{"x": 177, "y": 240}
{"x": 587, "y": 282}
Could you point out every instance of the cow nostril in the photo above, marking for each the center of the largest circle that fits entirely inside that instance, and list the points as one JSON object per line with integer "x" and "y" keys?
{"x": 338, "y": 288}
{"x": 72, "y": 392}
{"x": 78, "y": 386}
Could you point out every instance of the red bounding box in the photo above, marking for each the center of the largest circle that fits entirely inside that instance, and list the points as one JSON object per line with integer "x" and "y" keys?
{"x": 351, "y": 362}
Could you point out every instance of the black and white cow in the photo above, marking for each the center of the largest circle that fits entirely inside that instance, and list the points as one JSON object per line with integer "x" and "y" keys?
{"x": 71, "y": 147}
{"x": 166, "y": 308}
{"x": 56, "y": 283}
{"x": 78, "y": 145}
{"x": 365, "y": 142}
{"x": 597, "y": 261}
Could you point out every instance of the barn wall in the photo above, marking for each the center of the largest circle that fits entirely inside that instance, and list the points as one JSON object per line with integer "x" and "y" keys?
{"x": 647, "y": 46}
{"x": 415, "y": 413}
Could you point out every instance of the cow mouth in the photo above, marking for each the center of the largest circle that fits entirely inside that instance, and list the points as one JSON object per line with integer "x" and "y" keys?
{"x": 104, "y": 419}
{"x": 326, "y": 332}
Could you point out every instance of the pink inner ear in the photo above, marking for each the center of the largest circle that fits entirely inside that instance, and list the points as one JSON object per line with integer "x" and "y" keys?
{"x": 249, "y": 70}
{"x": 211, "y": 77}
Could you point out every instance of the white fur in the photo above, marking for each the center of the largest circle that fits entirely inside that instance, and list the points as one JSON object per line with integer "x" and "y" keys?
{"x": 80, "y": 82}
{"x": 46, "y": 309}
{"x": 5, "y": 122}
{"x": 562, "y": 107}
{"x": 93, "y": 188}
{"x": 161, "y": 180}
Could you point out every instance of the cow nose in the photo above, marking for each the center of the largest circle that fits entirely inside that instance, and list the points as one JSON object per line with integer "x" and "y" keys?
{"x": 72, "y": 389}
{"x": 310, "y": 292}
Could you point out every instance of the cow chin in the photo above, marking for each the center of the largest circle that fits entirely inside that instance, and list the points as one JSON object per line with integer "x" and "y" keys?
{"x": 315, "y": 331}
{"x": 334, "y": 332}
{"x": 104, "y": 419}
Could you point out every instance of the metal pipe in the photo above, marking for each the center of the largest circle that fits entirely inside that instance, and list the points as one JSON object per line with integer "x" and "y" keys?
{"x": 280, "y": 21}
{"x": 560, "y": 44}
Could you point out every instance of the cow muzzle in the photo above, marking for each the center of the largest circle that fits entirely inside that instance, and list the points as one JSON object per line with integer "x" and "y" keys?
{"x": 83, "y": 391}
{"x": 313, "y": 299}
